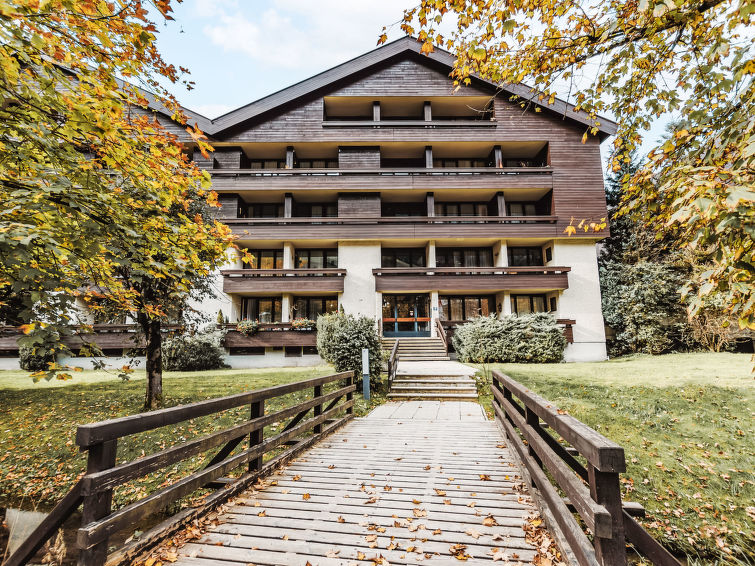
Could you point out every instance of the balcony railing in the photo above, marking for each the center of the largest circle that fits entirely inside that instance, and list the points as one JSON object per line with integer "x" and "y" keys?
{"x": 399, "y": 227}
{"x": 274, "y": 334}
{"x": 106, "y": 336}
{"x": 384, "y": 172}
{"x": 470, "y": 278}
{"x": 282, "y": 280}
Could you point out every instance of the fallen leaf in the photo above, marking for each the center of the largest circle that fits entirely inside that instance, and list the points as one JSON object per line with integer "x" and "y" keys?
{"x": 489, "y": 521}
{"x": 439, "y": 492}
{"x": 305, "y": 496}
{"x": 296, "y": 478}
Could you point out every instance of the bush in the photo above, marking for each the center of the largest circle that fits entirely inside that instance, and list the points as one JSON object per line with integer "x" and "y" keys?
{"x": 35, "y": 359}
{"x": 340, "y": 339}
{"x": 196, "y": 352}
{"x": 532, "y": 338}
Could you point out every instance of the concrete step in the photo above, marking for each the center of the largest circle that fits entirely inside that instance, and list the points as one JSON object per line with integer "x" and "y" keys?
{"x": 435, "y": 396}
{"x": 434, "y": 382}
{"x": 426, "y": 359}
{"x": 448, "y": 391}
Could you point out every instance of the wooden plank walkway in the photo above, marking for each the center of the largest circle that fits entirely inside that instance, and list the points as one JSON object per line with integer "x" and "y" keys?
{"x": 411, "y": 483}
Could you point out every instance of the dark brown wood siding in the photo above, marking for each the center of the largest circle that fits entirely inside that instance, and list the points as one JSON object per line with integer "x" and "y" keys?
{"x": 358, "y": 157}
{"x": 359, "y": 205}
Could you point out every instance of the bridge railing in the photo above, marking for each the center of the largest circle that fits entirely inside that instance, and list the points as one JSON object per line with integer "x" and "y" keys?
{"x": 587, "y": 471}
{"x": 95, "y": 489}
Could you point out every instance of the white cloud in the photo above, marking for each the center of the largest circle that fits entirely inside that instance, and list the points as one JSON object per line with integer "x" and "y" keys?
{"x": 299, "y": 34}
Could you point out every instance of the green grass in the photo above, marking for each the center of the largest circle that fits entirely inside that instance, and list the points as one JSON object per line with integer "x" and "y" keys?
{"x": 686, "y": 424}
{"x": 39, "y": 460}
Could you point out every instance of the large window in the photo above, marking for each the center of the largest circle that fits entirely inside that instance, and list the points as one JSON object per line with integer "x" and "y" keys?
{"x": 264, "y": 309}
{"x": 464, "y": 257}
{"x": 264, "y": 210}
{"x": 460, "y": 307}
{"x": 392, "y": 209}
{"x": 265, "y": 259}
{"x": 525, "y": 304}
{"x": 520, "y": 257}
{"x": 522, "y": 208}
{"x": 312, "y": 307}
{"x": 461, "y": 209}
{"x": 316, "y": 259}
{"x": 403, "y": 257}
{"x": 470, "y": 162}
{"x": 316, "y": 210}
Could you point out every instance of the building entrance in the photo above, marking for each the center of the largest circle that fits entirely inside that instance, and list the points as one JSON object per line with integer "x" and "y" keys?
{"x": 406, "y": 315}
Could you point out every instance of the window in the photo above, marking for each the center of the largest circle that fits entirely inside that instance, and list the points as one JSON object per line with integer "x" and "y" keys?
{"x": 466, "y": 307}
{"x": 309, "y": 350}
{"x": 553, "y": 304}
{"x": 267, "y": 164}
{"x": 316, "y": 259}
{"x": 464, "y": 257}
{"x": 316, "y": 210}
{"x": 461, "y": 209}
{"x": 248, "y": 351}
{"x": 403, "y": 257}
{"x": 312, "y": 307}
{"x": 265, "y": 259}
{"x": 521, "y": 257}
{"x": 404, "y": 209}
{"x": 264, "y": 309}
{"x": 522, "y": 209}
{"x": 316, "y": 164}
{"x": 293, "y": 352}
{"x": 548, "y": 254}
{"x": 264, "y": 210}
{"x": 525, "y": 304}
{"x": 472, "y": 162}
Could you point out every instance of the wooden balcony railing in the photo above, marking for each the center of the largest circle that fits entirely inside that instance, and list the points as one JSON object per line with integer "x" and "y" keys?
{"x": 282, "y": 280}
{"x": 106, "y": 336}
{"x": 383, "y": 172}
{"x": 270, "y": 334}
{"x": 383, "y": 227}
{"x": 470, "y": 278}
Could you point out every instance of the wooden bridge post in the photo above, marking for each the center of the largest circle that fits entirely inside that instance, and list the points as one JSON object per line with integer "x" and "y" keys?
{"x": 350, "y": 394}
{"x": 318, "y": 409}
{"x": 97, "y": 506}
{"x": 606, "y": 491}
{"x": 534, "y": 421}
{"x": 255, "y": 437}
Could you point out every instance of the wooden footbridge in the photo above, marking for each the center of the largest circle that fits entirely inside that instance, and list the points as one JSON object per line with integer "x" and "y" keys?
{"x": 413, "y": 482}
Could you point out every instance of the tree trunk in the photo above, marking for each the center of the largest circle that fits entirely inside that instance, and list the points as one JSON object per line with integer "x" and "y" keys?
{"x": 153, "y": 351}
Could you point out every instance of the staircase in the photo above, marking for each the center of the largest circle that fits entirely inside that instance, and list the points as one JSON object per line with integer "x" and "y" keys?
{"x": 435, "y": 387}
{"x": 426, "y": 383}
{"x": 418, "y": 349}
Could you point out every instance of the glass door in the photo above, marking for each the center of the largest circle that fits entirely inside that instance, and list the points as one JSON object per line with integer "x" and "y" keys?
{"x": 406, "y": 315}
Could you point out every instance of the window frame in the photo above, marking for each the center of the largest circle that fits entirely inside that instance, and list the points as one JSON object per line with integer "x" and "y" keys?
{"x": 326, "y": 253}
{"x": 443, "y": 315}
{"x": 393, "y": 252}
{"x": 464, "y": 251}
{"x": 277, "y": 313}
{"x": 529, "y": 251}
{"x": 532, "y": 297}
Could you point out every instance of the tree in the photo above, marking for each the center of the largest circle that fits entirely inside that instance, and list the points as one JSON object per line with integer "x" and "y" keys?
{"x": 92, "y": 185}
{"x": 638, "y": 60}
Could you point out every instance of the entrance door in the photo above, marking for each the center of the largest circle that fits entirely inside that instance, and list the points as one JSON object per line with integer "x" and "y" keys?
{"x": 406, "y": 315}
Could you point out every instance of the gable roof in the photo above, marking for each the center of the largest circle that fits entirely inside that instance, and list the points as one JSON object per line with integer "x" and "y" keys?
{"x": 398, "y": 49}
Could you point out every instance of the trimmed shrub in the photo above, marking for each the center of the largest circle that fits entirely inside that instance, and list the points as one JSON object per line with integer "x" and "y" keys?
{"x": 531, "y": 338}
{"x": 194, "y": 352}
{"x": 35, "y": 359}
{"x": 340, "y": 339}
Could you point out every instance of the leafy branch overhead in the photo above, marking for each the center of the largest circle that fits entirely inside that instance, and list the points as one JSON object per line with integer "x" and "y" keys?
{"x": 98, "y": 196}
{"x": 637, "y": 61}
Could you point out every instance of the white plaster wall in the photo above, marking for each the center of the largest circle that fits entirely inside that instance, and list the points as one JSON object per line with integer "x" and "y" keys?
{"x": 359, "y": 259}
{"x": 9, "y": 363}
{"x": 272, "y": 360}
{"x": 581, "y": 301}
{"x": 115, "y": 362}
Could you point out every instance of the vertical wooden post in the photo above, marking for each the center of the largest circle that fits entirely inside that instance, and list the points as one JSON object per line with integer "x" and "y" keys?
{"x": 428, "y": 157}
{"x": 350, "y": 394}
{"x": 430, "y": 204}
{"x": 255, "y": 438}
{"x": 501, "y": 203}
{"x": 290, "y": 157}
{"x": 376, "y": 111}
{"x": 605, "y": 490}
{"x": 97, "y": 506}
{"x": 318, "y": 408}
{"x": 428, "y": 108}
{"x": 534, "y": 421}
{"x": 288, "y": 205}
{"x": 498, "y": 157}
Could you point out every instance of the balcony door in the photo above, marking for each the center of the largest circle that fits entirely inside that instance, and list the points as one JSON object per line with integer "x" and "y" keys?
{"x": 406, "y": 315}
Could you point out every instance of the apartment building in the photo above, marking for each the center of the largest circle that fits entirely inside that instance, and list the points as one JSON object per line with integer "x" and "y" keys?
{"x": 377, "y": 188}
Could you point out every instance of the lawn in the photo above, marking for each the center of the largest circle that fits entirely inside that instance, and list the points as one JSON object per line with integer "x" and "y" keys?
{"x": 39, "y": 460}
{"x": 686, "y": 424}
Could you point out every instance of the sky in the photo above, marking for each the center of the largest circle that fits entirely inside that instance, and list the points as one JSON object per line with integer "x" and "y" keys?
{"x": 241, "y": 50}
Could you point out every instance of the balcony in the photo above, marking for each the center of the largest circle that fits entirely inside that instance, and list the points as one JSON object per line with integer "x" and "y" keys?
{"x": 426, "y": 179}
{"x": 270, "y": 335}
{"x": 283, "y": 280}
{"x": 403, "y": 227}
{"x": 471, "y": 278}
